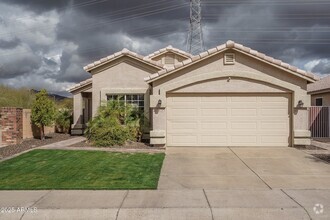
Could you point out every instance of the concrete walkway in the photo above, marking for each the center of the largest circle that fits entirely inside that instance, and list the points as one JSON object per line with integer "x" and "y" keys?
{"x": 245, "y": 168}
{"x": 64, "y": 144}
{"x": 167, "y": 204}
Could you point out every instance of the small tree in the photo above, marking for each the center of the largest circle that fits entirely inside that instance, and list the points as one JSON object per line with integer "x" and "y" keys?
{"x": 43, "y": 112}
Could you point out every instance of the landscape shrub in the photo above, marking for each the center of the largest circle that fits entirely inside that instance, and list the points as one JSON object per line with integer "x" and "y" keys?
{"x": 114, "y": 124}
{"x": 63, "y": 120}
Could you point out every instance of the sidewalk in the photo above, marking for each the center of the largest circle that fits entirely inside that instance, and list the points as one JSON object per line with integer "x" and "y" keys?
{"x": 168, "y": 204}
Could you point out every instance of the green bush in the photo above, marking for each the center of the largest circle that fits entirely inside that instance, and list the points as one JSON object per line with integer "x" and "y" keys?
{"x": 63, "y": 120}
{"x": 115, "y": 123}
{"x": 43, "y": 112}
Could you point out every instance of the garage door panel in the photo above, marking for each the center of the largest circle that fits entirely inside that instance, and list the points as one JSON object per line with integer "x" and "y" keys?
{"x": 274, "y": 139}
{"x": 238, "y": 140}
{"x": 228, "y": 120}
{"x": 209, "y": 112}
{"x": 274, "y": 112}
{"x": 241, "y": 125}
{"x": 274, "y": 125}
{"x": 244, "y": 112}
{"x": 213, "y": 125}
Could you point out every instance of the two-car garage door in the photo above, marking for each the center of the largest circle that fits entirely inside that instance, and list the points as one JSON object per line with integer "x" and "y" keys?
{"x": 228, "y": 120}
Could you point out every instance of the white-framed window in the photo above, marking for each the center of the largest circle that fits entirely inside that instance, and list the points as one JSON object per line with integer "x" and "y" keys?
{"x": 134, "y": 99}
{"x": 319, "y": 101}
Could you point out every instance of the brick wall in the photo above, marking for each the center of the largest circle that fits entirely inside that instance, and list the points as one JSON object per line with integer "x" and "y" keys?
{"x": 11, "y": 120}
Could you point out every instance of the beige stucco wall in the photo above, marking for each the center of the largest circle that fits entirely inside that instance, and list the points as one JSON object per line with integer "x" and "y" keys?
{"x": 246, "y": 75}
{"x": 125, "y": 76}
{"x": 325, "y": 96}
{"x": 30, "y": 130}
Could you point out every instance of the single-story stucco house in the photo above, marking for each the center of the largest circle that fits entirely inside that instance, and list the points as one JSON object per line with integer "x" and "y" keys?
{"x": 230, "y": 95}
{"x": 320, "y": 92}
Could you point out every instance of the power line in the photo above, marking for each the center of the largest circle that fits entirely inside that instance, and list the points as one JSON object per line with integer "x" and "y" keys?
{"x": 262, "y": 3}
{"x": 127, "y": 18}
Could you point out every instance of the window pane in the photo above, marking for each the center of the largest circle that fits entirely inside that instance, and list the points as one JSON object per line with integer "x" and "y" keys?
{"x": 112, "y": 97}
{"x": 141, "y": 97}
{"x": 319, "y": 102}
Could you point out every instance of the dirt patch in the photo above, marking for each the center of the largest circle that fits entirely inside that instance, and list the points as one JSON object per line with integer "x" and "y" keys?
{"x": 27, "y": 144}
{"x": 128, "y": 145}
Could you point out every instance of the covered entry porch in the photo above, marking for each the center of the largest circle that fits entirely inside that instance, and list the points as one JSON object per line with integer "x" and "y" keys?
{"x": 83, "y": 105}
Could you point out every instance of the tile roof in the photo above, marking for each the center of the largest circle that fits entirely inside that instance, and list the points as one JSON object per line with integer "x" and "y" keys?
{"x": 80, "y": 85}
{"x": 322, "y": 84}
{"x": 169, "y": 48}
{"x": 124, "y": 52}
{"x": 226, "y": 46}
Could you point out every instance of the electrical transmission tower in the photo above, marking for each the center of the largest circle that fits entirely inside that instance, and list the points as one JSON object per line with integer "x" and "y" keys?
{"x": 195, "y": 43}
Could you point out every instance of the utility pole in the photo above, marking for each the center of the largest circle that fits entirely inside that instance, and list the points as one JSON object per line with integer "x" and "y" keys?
{"x": 195, "y": 43}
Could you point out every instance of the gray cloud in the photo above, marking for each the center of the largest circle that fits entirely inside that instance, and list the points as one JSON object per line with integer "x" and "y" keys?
{"x": 323, "y": 67}
{"x": 50, "y": 41}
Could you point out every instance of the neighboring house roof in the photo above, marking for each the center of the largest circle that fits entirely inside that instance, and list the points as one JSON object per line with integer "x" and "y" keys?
{"x": 238, "y": 47}
{"x": 322, "y": 84}
{"x": 80, "y": 85}
{"x": 115, "y": 56}
{"x": 169, "y": 49}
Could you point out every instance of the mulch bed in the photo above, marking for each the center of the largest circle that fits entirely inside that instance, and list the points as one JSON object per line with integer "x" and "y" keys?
{"x": 128, "y": 145}
{"x": 27, "y": 144}
{"x": 325, "y": 157}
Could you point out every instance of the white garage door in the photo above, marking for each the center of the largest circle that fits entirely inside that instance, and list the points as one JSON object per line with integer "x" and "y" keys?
{"x": 228, "y": 120}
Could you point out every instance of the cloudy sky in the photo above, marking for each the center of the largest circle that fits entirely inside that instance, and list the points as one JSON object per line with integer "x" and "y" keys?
{"x": 46, "y": 43}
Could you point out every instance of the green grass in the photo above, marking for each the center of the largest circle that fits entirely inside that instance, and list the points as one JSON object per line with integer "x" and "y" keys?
{"x": 63, "y": 169}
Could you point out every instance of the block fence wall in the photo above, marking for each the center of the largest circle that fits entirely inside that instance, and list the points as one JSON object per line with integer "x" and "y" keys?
{"x": 15, "y": 126}
{"x": 11, "y": 120}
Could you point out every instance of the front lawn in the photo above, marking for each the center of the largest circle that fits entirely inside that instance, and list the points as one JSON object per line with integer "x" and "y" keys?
{"x": 65, "y": 169}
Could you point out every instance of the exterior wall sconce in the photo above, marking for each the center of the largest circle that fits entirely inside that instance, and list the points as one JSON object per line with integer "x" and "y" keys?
{"x": 159, "y": 102}
{"x": 300, "y": 104}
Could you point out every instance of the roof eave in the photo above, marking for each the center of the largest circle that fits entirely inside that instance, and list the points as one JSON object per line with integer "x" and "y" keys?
{"x": 168, "y": 72}
{"x": 123, "y": 55}
{"x": 76, "y": 88}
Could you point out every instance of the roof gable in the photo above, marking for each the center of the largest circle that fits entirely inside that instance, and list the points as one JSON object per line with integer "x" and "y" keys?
{"x": 115, "y": 56}
{"x": 236, "y": 47}
{"x": 169, "y": 49}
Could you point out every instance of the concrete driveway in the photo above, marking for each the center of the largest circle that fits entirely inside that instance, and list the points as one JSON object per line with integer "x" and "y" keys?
{"x": 242, "y": 168}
